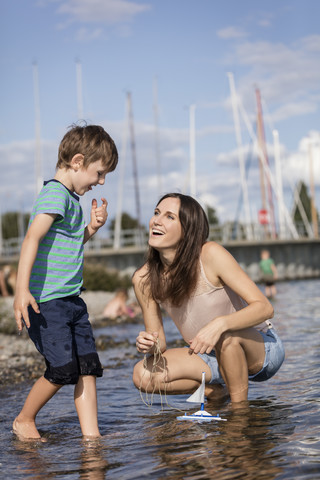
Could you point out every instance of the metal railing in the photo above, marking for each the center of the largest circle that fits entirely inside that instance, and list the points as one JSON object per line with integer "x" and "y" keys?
{"x": 226, "y": 233}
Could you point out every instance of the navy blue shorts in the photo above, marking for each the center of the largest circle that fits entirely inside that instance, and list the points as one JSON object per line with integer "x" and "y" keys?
{"x": 62, "y": 333}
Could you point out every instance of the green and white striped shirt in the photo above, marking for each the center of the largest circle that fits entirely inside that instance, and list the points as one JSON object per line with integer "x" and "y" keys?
{"x": 57, "y": 270}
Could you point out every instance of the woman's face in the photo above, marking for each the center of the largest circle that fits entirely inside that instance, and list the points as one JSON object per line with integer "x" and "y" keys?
{"x": 165, "y": 229}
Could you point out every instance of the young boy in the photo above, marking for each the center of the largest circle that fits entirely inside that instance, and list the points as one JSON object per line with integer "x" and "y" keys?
{"x": 49, "y": 278}
{"x": 269, "y": 273}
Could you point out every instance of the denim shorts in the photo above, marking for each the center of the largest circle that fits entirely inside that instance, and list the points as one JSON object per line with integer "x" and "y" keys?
{"x": 62, "y": 333}
{"x": 274, "y": 357}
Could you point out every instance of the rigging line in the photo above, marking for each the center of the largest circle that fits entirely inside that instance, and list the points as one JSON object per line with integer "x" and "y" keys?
{"x": 269, "y": 174}
{"x": 158, "y": 362}
{"x": 240, "y": 198}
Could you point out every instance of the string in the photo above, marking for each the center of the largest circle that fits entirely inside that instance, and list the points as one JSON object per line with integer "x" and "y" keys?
{"x": 158, "y": 364}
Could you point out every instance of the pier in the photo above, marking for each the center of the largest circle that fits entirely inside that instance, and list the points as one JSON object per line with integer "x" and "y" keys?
{"x": 294, "y": 258}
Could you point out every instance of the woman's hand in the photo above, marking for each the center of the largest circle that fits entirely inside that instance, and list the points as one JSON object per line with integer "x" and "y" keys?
{"x": 207, "y": 337}
{"x": 145, "y": 341}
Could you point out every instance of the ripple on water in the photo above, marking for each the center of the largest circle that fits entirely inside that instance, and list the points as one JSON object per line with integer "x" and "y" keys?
{"x": 275, "y": 437}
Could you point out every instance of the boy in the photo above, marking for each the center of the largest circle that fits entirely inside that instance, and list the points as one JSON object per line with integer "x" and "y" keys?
{"x": 49, "y": 278}
{"x": 269, "y": 273}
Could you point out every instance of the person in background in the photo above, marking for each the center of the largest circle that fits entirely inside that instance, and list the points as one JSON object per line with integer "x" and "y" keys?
{"x": 49, "y": 279}
{"x": 8, "y": 278}
{"x": 220, "y": 312}
{"x": 269, "y": 273}
{"x": 118, "y": 307}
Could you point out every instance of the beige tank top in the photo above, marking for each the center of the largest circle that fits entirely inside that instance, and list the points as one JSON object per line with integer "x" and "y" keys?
{"x": 206, "y": 303}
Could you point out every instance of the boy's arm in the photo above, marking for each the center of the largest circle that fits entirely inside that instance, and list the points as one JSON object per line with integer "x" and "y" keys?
{"x": 99, "y": 217}
{"x": 23, "y": 298}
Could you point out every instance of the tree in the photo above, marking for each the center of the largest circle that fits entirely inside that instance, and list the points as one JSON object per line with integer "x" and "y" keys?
{"x": 127, "y": 222}
{"x": 14, "y": 224}
{"x": 212, "y": 215}
{"x": 306, "y": 204}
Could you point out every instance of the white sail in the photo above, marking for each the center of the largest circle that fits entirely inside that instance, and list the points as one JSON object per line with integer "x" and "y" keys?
{"x": 198, "y": 395}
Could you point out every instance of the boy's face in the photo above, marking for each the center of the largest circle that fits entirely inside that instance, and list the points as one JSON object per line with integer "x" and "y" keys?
{"x": 89, "y": 177}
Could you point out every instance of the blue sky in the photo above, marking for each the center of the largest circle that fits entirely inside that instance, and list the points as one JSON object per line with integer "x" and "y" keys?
{"x": 183, "y": 47}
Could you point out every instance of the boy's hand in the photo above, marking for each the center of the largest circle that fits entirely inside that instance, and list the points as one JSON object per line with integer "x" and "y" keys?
{"x": 20, "y": 307}
{"x": 99, "y": 215}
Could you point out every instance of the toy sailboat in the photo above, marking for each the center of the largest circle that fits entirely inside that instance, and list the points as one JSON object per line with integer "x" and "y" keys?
{"x": 201, "y": 415}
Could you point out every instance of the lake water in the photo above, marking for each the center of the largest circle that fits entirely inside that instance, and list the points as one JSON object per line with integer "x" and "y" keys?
{"x": 276, "y": 437}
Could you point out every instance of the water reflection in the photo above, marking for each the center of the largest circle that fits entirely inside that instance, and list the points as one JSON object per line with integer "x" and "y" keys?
{"x": 242, "y": 445}
{"x": 93, "y": 463}
{"x": 88, "y": 459}
{"x": 275, "y": 437}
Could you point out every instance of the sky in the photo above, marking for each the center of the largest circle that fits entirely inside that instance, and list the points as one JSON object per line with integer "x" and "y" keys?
{"x": 68, "y": 60}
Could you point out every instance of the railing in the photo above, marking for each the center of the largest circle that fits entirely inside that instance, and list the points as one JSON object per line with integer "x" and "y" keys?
{"x": 226, "y": 233}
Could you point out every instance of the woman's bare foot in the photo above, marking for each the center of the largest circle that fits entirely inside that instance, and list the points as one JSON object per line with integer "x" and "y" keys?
{"x": 25, "y": 430}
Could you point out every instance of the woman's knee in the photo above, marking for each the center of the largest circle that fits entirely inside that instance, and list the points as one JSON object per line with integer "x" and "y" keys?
{"x": 137, "y": 374}
{"x": 228, "y": 340}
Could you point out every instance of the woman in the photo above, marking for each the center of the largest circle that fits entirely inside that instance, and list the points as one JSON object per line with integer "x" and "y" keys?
{"x": 212, "y": 301}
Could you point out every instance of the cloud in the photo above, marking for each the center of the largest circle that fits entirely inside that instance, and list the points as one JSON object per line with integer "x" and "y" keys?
{"x": 287, "y": 75}
{"x": 109, "y": 12}
{"x": 231, "y": 32}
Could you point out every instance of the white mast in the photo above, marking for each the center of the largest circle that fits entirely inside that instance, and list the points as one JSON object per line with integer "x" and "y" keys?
{"x": 314, "y": 216}
{"x": 282, "y": 229}
{"x": 192, "y": 140}
{"x": 234, "y": 100}
{"x": 117, "y": 226}
{"x": 156, "y": 134}
{"x": 38, "y": 155}
{"x": 79, "y": 89}
{"x": 268, "y": 172}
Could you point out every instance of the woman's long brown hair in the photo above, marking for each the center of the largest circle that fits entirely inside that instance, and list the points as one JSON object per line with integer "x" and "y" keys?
{"x": 181, "y": 277}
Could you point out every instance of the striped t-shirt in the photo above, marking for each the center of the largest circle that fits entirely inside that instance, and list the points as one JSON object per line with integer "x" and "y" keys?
{"x": 57, "y": 270}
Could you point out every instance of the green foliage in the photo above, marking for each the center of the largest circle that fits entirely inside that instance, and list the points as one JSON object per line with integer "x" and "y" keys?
{"x": 127, "y": 222}
{"x": 212, "y": 215}
{"x": 306, "y": 203}
{"x": 97, "y": 277}
{"x": 14, "y": 224}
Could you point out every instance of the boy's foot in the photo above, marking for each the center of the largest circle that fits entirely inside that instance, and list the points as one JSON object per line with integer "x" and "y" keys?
{"x": 26, "y": 430}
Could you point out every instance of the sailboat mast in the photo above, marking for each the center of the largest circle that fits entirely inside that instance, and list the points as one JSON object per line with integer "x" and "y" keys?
{"x": 156, "y": 134}
{"x": 192, "y": 143}
{"x": 38, "y": 156}
{"x": 79, "y": 89}
{"x": 117, "y": 227}
{"x": 263, "y": 150}
{"x": 314, "y": 215}
{"x": 276, "y": 145}
{"x": 134, "y": 164}
{"x": 244, "y": 187}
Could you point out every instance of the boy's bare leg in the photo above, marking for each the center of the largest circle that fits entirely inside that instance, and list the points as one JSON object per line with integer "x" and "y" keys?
{"x": 24, "y": 424}
{"x": 85, "y": 399}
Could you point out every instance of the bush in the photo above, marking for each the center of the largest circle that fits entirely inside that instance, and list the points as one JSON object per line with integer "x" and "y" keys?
{"x": 96, "y": 277}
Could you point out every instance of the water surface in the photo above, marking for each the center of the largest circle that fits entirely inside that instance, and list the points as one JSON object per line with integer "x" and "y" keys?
{"x": 276, "y": 437}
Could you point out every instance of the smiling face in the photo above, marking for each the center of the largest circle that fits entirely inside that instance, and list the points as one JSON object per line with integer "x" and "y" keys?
{"x": 165, "y": 229}
{"x": 86, "y": 178}
{"x": 80, "y": 179}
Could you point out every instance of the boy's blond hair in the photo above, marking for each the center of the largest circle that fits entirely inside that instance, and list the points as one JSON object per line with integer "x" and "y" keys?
{"x": 93, "y": 142}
